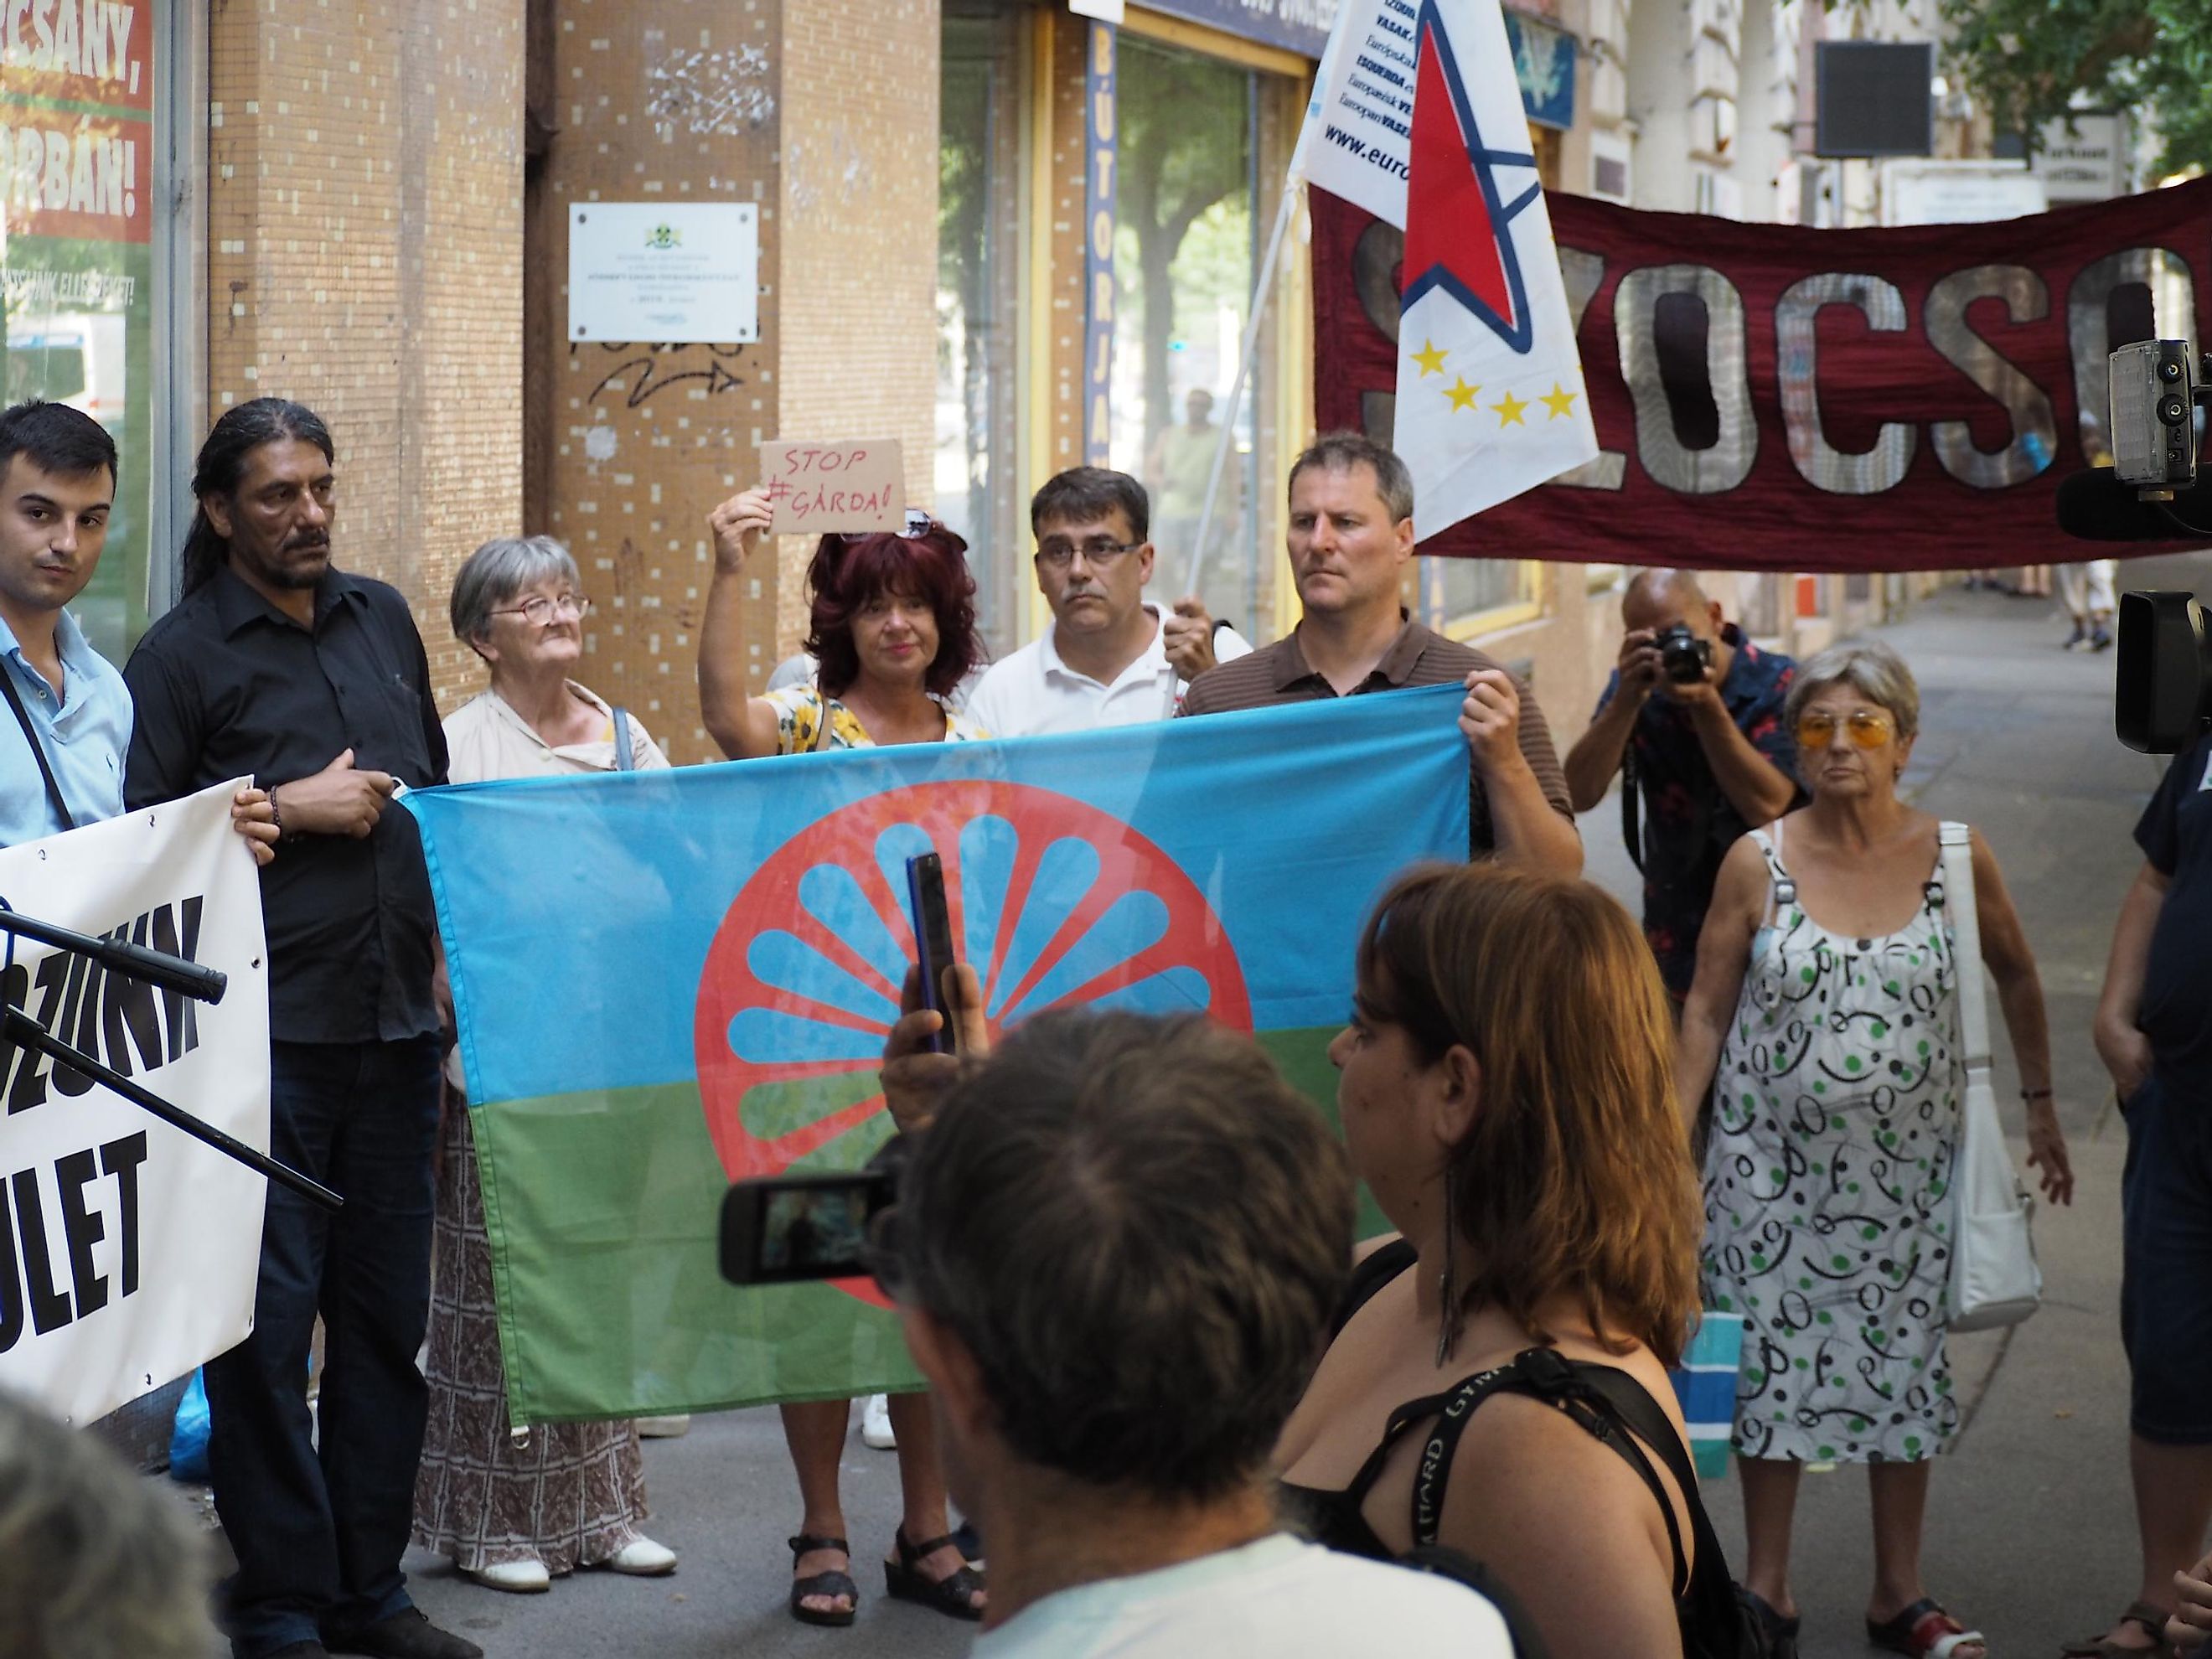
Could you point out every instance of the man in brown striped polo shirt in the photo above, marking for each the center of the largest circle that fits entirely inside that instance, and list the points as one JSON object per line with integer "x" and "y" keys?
{"x": 1350, "y": 534}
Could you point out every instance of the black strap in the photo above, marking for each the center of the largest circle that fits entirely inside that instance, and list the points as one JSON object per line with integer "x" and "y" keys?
{"x": 1631, "y": 833}
{"x": 1378, "y": 1268}
{"x": 37, "y": 748}
{"x": 624, "y": 760}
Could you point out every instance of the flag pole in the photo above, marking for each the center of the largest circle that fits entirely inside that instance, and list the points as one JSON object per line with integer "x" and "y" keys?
{"x": 1261, "y": 292}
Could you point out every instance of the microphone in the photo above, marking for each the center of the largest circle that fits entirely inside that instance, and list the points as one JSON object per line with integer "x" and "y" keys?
{"x": 2095, "y": 507}
{"x": 156, "y": 967}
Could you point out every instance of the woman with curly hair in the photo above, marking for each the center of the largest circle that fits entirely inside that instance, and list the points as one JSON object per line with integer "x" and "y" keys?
{"x": 893, "y": 630}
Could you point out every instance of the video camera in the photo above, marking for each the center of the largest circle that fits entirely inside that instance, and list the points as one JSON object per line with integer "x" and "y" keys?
{"x": 2162, "y": 695}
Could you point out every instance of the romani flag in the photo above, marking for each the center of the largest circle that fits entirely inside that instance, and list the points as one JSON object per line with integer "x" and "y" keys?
{"x": 666, "y": 980}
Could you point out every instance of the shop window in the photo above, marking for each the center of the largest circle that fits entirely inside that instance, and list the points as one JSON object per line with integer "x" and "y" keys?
{"x": 980, "y": 165}
{"x": 1465, "y": 596}
{"x": 1186, "y": 254}
{"x": 78, "y": 143}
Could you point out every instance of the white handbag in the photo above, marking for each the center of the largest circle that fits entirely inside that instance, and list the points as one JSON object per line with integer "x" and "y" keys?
{"x": 1993, "y": 1279}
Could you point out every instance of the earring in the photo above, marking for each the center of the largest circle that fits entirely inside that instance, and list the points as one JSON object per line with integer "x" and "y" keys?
{"x": 1448, "y": 1314}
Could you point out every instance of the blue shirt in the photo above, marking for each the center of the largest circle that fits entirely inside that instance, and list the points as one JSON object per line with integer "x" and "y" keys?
{"x": 85, "y": 738}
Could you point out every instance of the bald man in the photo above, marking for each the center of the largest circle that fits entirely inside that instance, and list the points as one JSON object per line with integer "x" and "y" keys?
{"x": 1709, "y": 757}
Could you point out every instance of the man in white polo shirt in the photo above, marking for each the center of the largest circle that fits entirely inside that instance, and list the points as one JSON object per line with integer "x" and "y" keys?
{"x": 1109, "y": 658}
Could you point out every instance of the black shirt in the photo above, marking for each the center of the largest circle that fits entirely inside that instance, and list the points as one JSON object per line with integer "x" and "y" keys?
{"x": 227, "y": 684}
{"x": 2175, "y": 835}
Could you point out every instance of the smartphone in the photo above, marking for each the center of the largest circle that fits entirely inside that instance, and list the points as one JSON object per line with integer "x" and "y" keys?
{"x": 777, "y": 1229}
{"x": 932, "y": 933}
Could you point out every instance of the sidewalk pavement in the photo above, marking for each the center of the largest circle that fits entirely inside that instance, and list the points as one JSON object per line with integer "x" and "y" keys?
{"x": 2030, "y": 1532}
{"x": 2031, "y": 1524}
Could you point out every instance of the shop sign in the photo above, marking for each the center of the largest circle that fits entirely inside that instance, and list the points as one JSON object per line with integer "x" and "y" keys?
{"x": 1544, "y": 63}
{"x": 1100, "y": 159}
{"x": 663, "y": 272}
{"x": 2083, "y": 159}
{"x": 76, "y": 199}
{"x": 1299, "y": 25}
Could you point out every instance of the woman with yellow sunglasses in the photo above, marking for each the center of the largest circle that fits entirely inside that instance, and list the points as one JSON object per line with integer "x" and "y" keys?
{"x": 1824, "y": 1025}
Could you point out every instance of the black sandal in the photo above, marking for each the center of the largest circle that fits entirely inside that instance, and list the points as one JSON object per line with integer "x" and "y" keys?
{"x": 825, "y": 1585}
{"x": 1777, "y": 1637}
{"x": 951, "y": 1596}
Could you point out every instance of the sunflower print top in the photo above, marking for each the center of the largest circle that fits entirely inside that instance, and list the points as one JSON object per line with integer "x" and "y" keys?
{"x": 806, "y": 720}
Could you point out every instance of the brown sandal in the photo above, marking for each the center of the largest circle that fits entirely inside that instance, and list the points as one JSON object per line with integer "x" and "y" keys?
{"x": 2153, "y": 1619}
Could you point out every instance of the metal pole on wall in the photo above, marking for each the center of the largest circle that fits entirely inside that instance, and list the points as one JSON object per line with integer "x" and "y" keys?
{"x": 1222, "y": 445}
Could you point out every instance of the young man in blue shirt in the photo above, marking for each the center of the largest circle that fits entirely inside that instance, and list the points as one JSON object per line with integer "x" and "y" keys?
{"x": 69, "y": 720}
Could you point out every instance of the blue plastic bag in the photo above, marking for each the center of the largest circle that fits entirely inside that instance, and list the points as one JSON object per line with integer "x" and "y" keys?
{"x": 1704, "y": 1382}
{"x": 188, "y": 1440}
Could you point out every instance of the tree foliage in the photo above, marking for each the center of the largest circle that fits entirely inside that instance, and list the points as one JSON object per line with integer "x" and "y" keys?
{"x": 2030, "y": 60}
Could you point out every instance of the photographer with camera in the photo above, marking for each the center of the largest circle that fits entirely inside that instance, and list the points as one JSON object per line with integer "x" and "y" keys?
{"x": 1694, "y": 710}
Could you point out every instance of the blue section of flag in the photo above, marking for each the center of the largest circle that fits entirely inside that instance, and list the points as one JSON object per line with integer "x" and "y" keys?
{"x": 579, "y": 912}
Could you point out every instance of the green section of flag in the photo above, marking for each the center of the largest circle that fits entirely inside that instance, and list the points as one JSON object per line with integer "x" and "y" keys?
{"x": 603, "y": 1207}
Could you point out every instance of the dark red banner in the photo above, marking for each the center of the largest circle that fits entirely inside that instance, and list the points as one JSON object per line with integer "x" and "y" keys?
{"x": 1775, "y": 398}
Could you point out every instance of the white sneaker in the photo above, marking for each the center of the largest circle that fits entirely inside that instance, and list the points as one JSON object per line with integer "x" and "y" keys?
{"x": 876, "y": 1425}
{"x": 664, "y": 1428}
{"x": 641, "y": 1559}
{"x": 517, "y": 1577}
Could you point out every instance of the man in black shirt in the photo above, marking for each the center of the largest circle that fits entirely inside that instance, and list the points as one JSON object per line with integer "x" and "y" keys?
{"x": 276, "y": 664}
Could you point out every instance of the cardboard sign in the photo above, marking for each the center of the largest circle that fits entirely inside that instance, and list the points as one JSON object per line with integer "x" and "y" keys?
{"x": 817, "y": 488}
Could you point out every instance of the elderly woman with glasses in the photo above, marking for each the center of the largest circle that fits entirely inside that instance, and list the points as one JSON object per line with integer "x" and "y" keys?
{"x": 1824, "y": 1024}
{"x": 512, "y": 1514}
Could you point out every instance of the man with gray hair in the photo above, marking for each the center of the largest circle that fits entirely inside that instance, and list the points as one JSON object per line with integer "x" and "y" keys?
{"x": 1693, "y": 718}
{"x": 1350, "y": 534}
{"x": 1115, "y": 1252}
{"x": 96, "y": 1562}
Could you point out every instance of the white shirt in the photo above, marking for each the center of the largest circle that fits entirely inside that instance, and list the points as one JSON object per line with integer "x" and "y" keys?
{"x": 1035, "y": 690}
{"x": 1278, "y": 1598}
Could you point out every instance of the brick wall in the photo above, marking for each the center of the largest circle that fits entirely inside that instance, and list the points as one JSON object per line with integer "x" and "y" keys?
{"x": 365, "y": 258}
{"x": 858, "y": 267}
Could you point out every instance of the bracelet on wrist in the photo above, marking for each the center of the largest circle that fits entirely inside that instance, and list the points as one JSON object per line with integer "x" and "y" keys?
{"x": 276, "y": 817}
{"x": 2034, "y": 1094}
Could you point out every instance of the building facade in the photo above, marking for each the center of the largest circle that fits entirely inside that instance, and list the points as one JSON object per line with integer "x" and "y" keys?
{"x": 1006, "y": 232}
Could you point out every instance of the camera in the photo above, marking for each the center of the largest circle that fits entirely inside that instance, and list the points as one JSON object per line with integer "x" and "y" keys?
{"x": 782, "y": 1230}
{"x": 2154, "y": 405}
{"x": 1683, "y": 657}
{"x": 2162, "y": 691}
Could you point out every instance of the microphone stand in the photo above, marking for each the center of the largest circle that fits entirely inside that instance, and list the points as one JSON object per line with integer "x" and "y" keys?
{"x": 171, "y": 973}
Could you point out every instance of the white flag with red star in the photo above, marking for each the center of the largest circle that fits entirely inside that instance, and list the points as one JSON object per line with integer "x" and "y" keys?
{"x": 1418, "y": 117}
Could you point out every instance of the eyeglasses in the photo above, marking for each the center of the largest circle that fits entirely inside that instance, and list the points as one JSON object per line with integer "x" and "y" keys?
{"x": 538, "y": 610}
{"x": 1868, "y": 729}
{"x": 1096, "y": 551}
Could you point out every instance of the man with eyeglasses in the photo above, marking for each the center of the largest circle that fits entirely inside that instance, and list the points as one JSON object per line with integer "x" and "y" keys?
{"x": 315, "y": 680}
{"x": 1707, "y": 755}
{"x": 1109, "y": 657}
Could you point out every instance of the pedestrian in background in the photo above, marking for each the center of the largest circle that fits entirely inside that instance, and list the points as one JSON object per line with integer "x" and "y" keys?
{"x": 2086, "y": 590}
{"x": 514, "y": 1513}
{"x": 892, "y": 630}
{"x": 1824, "y": 1024}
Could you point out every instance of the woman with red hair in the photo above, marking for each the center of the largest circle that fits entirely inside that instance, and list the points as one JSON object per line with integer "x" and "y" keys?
{"x": 893, "y": 630}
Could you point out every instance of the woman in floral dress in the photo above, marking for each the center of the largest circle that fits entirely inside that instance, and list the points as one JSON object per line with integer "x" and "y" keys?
{"x": 1823, "y": 1024}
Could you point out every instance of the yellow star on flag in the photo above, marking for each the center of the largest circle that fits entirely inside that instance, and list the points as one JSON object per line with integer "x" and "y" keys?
{"x": 1431, "y": 359}
{"x": 1509, "y": 412}
{"x": 1462, "y": 394}
{"x": 1560, "y": 403}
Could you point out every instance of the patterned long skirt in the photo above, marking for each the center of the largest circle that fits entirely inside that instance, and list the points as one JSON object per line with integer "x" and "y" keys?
{"x": 571, "y": 1495}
